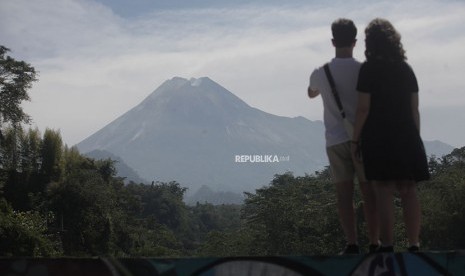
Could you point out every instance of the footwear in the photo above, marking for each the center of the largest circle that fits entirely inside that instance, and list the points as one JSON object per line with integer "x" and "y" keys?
{"x": 413, "y": 249}
{"x": 350, "y": 249}
{"x": 373, "y": 248}
{"x": 385, "y": 249}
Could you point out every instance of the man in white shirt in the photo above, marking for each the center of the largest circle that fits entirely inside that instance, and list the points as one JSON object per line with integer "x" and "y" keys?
{"x": 344, "y": 69}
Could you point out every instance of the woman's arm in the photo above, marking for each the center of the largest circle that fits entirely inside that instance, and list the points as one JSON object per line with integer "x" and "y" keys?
{"x": 415, "y": 112}
{"x": 363, "y": 108}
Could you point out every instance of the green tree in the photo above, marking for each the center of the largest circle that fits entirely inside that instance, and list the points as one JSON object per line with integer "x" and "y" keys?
{"x": 207, "y": 219}
{"x": 10, "y": 154}
{"x": 162, "y": 201}
{"x": 29, "y": 163}
{"x": 16, "y": 187}
{"x": 52, "y": 152}
{"x": 442, "y": 200}
{"x": 25, "y": 234}
{"x": 16, "y": 77}
{"x": 293, "y": 215}
{"x": 85, "y": 202}
{"x": 150, "y": 238}
{"x": 30, "y": 155}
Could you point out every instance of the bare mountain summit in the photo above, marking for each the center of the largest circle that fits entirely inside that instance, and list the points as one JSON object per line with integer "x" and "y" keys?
{"x": 198, "y": 133}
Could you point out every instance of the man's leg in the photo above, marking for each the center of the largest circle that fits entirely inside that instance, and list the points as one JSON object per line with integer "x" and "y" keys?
{"x": 346, "y": 210}
{"x": 342, "y": 173}
{"x": 370, "y": 209}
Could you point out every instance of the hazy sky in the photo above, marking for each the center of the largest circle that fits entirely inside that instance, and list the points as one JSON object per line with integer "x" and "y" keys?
{"x": 98, "y": 59}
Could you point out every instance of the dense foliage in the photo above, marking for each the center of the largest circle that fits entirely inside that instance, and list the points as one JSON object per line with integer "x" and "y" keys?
{"x": 443, "y": 202}
{"x": 56, "y": 202}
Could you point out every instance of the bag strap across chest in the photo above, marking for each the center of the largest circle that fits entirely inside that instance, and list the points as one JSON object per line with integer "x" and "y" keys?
{"x": 333, "y": 90}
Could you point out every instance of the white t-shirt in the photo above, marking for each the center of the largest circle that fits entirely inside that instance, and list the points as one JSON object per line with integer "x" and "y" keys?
{"x": 345, "y": 75}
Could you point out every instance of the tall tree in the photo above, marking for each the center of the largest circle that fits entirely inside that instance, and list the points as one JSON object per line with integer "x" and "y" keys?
{"x": 86, "y": 206}
{"x": 9, "y": 149}
{"x": 16, "y": 77}
{"x": 30, "y": 156}
{"x": 52, "y": 152}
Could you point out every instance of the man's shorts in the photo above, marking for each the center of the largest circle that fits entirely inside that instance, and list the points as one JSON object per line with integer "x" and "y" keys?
{"x": 341, "y": 164}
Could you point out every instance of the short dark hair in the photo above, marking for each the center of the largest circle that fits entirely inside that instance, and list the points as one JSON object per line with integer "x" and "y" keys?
{"x": 344, "y": 32}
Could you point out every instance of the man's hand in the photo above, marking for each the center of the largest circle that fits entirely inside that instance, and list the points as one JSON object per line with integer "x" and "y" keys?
{"x": 312, "y": 93}
{"x": 355, "y": 150}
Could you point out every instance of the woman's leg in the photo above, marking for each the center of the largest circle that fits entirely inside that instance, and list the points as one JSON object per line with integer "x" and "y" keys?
{"x": 385, "y": 201}
{"x": 411, "y": 210}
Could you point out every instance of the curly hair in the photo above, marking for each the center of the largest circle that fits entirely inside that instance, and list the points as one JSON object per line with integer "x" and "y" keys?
{"x": 382, "y": 42}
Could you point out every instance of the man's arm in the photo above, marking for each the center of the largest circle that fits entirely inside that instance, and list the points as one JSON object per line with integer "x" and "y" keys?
{"x": 312, "y": 93}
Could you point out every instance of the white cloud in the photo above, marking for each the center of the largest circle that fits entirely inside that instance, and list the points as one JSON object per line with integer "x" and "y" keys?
{"x": 94, "y": 65}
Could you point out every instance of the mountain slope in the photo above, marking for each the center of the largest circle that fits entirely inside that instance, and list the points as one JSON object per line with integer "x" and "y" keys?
{"x": 196, "y": 132}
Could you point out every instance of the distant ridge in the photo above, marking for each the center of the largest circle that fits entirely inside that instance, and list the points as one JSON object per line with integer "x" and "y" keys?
{"x": 437, "y": 148}
{"x": 206, "y": 194}
{"x": 122, "y": 169}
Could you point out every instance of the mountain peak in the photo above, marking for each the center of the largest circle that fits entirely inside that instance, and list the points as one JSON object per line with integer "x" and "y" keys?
{"x": 191, "y": 128}
{"x": 192, "y": 96}
{"x": 198, "y": 82}
{"x": 177, "y": 82}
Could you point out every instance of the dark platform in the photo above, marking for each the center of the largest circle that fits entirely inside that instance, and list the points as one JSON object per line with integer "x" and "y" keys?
{"x": 424, "y": 263}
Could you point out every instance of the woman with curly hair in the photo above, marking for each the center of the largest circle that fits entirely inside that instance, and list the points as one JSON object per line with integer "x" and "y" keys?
{"x": 387, "y": 131}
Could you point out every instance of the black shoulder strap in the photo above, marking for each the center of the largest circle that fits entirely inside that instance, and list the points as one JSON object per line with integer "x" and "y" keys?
{"x": 333, "y": 89}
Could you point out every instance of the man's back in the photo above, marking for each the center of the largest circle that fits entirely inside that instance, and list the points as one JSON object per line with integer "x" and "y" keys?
{"x": 345, "y": 74}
